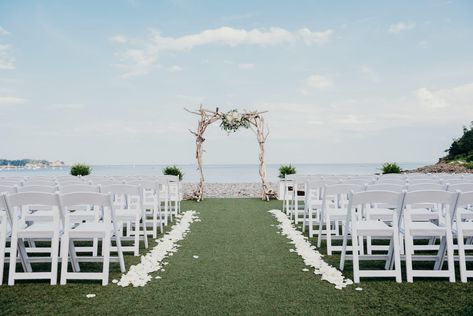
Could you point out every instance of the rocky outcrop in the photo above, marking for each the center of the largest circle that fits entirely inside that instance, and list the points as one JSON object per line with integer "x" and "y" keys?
{"x": 442, "y": 167}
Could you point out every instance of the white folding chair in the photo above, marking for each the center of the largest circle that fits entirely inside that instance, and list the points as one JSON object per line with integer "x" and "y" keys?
{"x": 44, "y": 230}
{"x": 162, "y": 192}
{"x": 463, "y": 228}
{"x": 313, "y": 202}
{"x": 150, "y": 200}
{"x": 298, "y": 198}
{"x": 359, "y": 226}
{"x": 334, "y": 213}
{"x": 420, "y": 229}
{"x": 129, "y": 210}
{"x": 381, "y": 212}
{"x": 105, "y": 230}
{"x": 3, "y": 235}
{"x": 174, "y": 194}
{"x": 83, "y": 212}
{"x": 462, "y": 187}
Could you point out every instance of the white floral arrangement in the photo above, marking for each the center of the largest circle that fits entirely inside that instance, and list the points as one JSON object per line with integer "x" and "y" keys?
{"x": 232, "y": 121}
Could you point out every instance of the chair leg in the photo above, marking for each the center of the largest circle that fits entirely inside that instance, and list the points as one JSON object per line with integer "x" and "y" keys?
{"x": 451, "y": 264}
{"x": 155, "y": 223}
{"x": 64, "y": 258}
{"x": 3, "y": 240}
{"x": 409, "y": 252}
{"x": 54, "y": 257}
{"x": 95, "y": 245}
{"x": 137, "y": 237}
{"x": 328, "y": 229}
{"x": 461, "y": 254}
{"x": 319, "y": 237}
{"x": 344, "y": 251}
{"x": 397, "y": 256}
{"x": 72, "y": 253}
{"x": 106, "y": 243}
{"x": 13, "y": 255}
{"x": 161, "y": 224}
{"x": 369, "y": 249}
{"x": 311, "y": 228}
{"x": 145, "y": 232}
{"x": 356, "y": 264}
{"x": 120, "y": 253}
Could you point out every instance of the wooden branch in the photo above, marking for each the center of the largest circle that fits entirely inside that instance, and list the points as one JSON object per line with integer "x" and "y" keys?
{"x": 208, "y": 117}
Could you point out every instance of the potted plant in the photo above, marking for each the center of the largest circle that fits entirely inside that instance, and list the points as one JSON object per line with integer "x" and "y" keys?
{"x": 80, "y": 169}
{"x": 390, "y": 167}
{"x": 284, "y": 170}
{"x": 173, "y": 171}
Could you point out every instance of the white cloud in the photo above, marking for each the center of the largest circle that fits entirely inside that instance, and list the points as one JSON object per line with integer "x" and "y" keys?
{"x": 175, "y": 68}
{"x": 139, "y": 61}
{"x": 11, "y": 101}
{"x": 456, "y": 100}
{"x": 318, "y": 82}
{"x": 7, "y": 61}
{"x": 310, "y": 37}
{"x": 401, "y": 26}
{"x": 119, "y": 39}
{"x": 65, "y": 106}
{"x": 369, "y": 73}
{"x": 429, "y": 99}
{"x": 246, "y": 66}
{"x": 3, "y": 32}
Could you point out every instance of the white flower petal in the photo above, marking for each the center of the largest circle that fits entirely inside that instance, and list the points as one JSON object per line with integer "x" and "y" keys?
{"x": 139, "y": 275}
{"x": 309, "y": 253}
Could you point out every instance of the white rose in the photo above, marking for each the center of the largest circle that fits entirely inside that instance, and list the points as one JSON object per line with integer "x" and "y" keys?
{"x": 229, "y": 118}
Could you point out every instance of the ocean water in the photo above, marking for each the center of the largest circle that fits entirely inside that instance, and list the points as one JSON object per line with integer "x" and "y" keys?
{"x": 219, "y": 173}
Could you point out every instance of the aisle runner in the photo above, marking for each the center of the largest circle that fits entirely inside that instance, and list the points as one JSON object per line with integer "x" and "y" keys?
{"x": 139, "y": 274}
{"x": 307, "y": 251}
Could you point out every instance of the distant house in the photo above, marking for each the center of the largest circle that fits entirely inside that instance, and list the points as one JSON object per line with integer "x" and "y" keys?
{"x": 56, "y": 164}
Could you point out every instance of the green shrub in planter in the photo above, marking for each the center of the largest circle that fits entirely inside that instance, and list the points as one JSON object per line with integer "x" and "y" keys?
{"x": 80, "y": 169}
{"x": 391, "y": 167}
{"x": 285, "y": 170}
{"x": 173, "y": 171}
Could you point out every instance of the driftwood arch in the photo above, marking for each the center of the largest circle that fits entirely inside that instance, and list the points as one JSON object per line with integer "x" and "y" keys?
{"x": 255, "y": 121}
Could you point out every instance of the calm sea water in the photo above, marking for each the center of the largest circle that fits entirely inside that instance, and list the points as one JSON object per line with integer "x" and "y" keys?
{"x": 220, "y": 173}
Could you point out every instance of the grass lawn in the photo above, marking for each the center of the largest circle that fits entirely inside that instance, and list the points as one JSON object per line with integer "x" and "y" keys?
{"x": 244, "y": 267}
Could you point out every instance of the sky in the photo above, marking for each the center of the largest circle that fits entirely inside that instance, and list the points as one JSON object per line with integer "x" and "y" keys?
{"x": 106, "y": 82}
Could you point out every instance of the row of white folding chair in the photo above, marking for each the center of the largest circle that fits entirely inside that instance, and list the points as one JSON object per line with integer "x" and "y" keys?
{"x": 424, "y": 212}
{"x": 358, "y": 226}
{"x": 64, "y": 224}
{"x": 457, "y": 206}
{"x": 332, "y": 210}
{"x": 83, "y": 187}
{"x": 129, "y": 216}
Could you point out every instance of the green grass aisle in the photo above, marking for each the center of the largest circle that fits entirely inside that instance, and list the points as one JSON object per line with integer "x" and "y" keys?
{"x": 244, "y": 267}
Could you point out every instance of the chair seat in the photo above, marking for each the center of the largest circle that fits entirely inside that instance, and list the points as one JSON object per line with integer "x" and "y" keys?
{"x": 374, "y": 228}
{"x": 467, "y": 228}
{"x": 37, "y": 229}
{"x": 125, "y": 215}
{"x": 317, "y": 204}
{"x": 83, "y": 215}
{"x": 336, "y": 214}
{"x": 426, "y": 229}
{"x": 90, "y": 228}
{"x": 380, "y": 213}
{"x": 423, "y": 214}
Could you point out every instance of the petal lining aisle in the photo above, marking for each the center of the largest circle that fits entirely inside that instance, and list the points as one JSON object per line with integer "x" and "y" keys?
{"x": 139, "y": 274}
{"x": 307, "y": 251}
